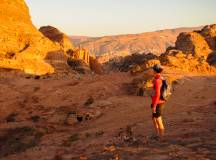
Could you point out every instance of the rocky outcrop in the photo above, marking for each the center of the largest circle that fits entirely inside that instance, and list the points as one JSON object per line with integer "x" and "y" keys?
{"x": 134, "y": 63}
{"x": 209, "y": 32}
{"x": 79, "y": 53}
{"x": 78, "y": 59}
{"x": 95, "y": 65}
{"x": 193, "y": 43}
{"x": 212, "y": 59}
{"x": 78, "y": 65}
{"x": 194, "y": 52}
{"x": 81, "y": 58}
{"x": 57, "y": 36}
{"x": 22, "y": 46}
{"x": 177, "y": 60}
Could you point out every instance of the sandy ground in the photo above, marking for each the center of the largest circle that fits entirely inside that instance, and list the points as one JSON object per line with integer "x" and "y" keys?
{"x": 38, "y": 119}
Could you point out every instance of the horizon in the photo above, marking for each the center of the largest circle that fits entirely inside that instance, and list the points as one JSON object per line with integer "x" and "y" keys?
{"x": 94, "y": 18}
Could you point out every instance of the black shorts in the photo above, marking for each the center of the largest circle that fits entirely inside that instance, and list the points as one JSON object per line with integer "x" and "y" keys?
{"x": 159, "y": 111}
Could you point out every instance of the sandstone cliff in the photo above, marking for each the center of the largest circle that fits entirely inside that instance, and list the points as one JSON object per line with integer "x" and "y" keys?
{"x": 22, "y": 46}
{"x": 57, "y": 36}
{"x": 77, "y": 58}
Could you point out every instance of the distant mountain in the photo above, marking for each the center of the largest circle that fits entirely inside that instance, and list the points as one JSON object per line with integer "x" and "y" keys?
{"x": 154, "y": 42}
{"x": 76, "y": 40}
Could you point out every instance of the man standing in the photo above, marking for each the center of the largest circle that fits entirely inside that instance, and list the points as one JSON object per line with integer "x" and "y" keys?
{"x": 157, "y": 103}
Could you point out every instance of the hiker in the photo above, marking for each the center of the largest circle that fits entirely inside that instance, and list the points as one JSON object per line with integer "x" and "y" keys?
{"x": 157, "y": 104}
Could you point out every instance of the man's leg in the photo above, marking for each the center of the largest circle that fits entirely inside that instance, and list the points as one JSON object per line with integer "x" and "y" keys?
{"x": 161, "y": 127}
{"x": 156, "y": 126}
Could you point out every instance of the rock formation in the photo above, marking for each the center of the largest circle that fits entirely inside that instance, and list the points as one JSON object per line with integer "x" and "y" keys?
{"x": 209, "y": 32}
{"x": 95, "y": 65}
{"x": 194, "y": 52}
{"x": 79, "y": 53}
{"x": 212, "y": 59}
{"x": 78, "y": 65}
{"x": 57, "y": 36}
{"x": 22, "y": 46}
{"x": 192, "y": 43}
{"x": 77, "y": 58}
{"x": 25, "y": 48}
{"x": 176, "y": 59}
{"x": 134, "y": 63}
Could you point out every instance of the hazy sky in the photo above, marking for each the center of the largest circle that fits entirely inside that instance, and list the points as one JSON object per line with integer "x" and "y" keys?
{"x": 109, "y": 17}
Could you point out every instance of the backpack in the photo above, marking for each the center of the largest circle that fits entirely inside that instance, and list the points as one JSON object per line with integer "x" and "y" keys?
{"x": 165, "y": 90}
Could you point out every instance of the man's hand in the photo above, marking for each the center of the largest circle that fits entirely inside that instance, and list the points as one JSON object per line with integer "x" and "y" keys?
{"x": 154, "y": 109}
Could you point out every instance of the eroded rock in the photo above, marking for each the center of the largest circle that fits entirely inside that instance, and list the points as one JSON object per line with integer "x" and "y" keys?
{"x": 209, "y": 32}
{"x": 193, "y": 43}
{"x": 22, "y": 46}
{"x": 57, "y": 36}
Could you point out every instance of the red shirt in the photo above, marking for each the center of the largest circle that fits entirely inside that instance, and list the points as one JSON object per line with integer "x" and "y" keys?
{"x": 157, "y": 83}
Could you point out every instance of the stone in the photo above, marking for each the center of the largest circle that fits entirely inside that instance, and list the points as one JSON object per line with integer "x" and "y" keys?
{"x": 94, "y": 114}
{"x": 101, "y": 104}
{"x": 71, "y": 119}
{"x": 89, "y": 101}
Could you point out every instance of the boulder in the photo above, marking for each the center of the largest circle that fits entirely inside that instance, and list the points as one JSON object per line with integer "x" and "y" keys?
{"x": 193, "y": 43}
{"x": 22, "y": 46}
{"x": 212, "y": 59}
{"x": 209, "y": 32}
{"x": 71, "y": 119}
{"x": 57, "y": 36}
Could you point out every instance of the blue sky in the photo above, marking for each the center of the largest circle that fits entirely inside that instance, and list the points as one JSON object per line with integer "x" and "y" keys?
{"x": 111, "y": 17}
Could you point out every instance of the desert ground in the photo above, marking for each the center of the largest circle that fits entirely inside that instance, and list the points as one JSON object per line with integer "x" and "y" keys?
{"x": 92, "y": 117}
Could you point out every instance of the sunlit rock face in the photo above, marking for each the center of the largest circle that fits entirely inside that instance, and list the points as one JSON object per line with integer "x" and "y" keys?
{"x": 193, "y": 43}
{"x": 57, "y": 37}
{"x": 22, "y": 46}
{"x": 209, "y": 32}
